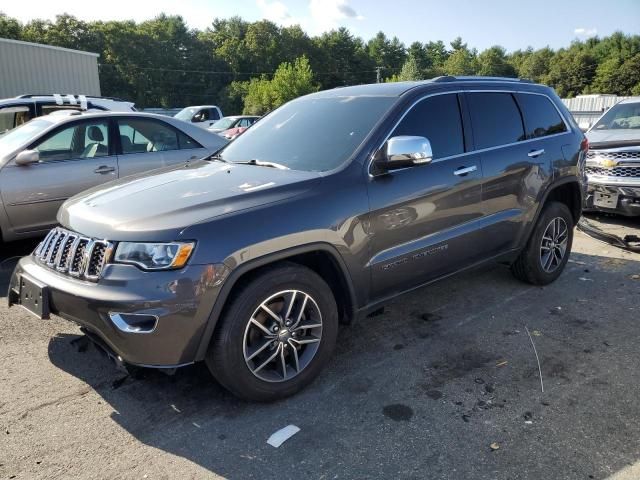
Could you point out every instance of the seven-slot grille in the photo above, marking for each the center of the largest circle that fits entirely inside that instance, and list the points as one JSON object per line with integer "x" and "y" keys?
{"x": 73, "y": 254}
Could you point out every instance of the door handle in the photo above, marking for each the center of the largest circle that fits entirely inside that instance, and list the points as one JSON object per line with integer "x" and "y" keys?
{"x": 462, "y": 171}
{"x": 535, "y": 153}
{"x": 104, "y": 169}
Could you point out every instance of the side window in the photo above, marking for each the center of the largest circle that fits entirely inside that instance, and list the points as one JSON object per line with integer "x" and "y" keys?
{"x": 186, "y": 142}
{"x": 47, "y": 109}
{"x": 11, "y": 117}
{"x": 496, "y": 119}
{"x": 84, "y": 140}
{"x": 540, "y": 116}
{"x": 438, "y": 119}
{"x": 139, "y": 136}
{"x": 214, "y": 114}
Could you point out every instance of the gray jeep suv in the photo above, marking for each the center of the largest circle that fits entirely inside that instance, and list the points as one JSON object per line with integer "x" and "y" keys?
{"x": 327, "y": 208}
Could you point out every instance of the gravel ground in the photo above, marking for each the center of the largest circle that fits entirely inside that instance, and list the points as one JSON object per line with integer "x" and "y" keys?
{"x": 421, "y": 391}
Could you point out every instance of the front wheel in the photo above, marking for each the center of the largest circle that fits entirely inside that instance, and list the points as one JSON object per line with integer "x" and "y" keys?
{"x": 548, "y": 249}
{"x": 276, "y": 335}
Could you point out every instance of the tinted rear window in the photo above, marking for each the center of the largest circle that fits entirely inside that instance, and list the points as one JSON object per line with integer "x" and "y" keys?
{"x": 438, "y": 119}
{"x": 496, "y": 119}
{"x": 540, "y": 116}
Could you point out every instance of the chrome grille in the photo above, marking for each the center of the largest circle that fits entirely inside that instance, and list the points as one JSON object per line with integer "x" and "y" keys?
{"x": 591, "y": 154}
{"x": 70, "y": 253}
{"x": 613, "y": 171}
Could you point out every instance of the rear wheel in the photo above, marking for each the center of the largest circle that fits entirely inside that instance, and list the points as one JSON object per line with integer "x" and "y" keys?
{"x": 548, "y": 249}
{"x": 276, "y": 335}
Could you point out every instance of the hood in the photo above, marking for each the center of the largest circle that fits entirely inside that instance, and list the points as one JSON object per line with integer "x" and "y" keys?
{"x": 159, "y": 205}
{"x": 617, "y": 138}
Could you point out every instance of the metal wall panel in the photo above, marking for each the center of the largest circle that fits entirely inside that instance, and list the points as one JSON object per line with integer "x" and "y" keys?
{"x": 42, "y": 69}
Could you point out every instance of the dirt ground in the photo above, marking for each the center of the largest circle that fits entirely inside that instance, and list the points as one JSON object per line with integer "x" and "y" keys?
{"x": 421, "y": 391}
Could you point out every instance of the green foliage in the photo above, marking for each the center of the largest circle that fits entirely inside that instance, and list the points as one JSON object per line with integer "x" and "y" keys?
{"x": 290, "y": 81}
{"x": 254, "y": 66}
{"x": 410, "y": 72}
{"x": 493, "y": 63}
{"x": 461, "y": 62}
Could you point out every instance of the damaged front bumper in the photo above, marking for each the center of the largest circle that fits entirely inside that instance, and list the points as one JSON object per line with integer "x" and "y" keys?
{"x": 613, "y": 195}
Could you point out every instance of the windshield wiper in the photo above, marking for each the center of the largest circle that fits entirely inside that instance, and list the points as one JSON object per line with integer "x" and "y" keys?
{"x": 216, "y": 156}
{"x": 263, "y": 163}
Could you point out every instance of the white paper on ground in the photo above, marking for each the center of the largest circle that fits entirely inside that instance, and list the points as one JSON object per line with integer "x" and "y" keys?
{"x": 282, "y": 435}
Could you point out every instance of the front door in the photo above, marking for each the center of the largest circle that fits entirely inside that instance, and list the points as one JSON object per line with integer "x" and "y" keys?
{"x": 73, "y": 158}
{"x": 422, "y": 219}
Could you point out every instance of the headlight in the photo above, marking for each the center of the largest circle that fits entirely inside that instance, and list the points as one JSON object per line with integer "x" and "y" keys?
{"x": 154, "y": 256}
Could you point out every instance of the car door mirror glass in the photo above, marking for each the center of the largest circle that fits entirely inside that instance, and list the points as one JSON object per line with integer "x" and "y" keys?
{"x": 402, "y": 152}
{"x": 27, "y": 157}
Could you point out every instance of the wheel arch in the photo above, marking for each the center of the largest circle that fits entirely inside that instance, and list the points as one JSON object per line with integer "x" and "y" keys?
{"x": 322, "y": 258}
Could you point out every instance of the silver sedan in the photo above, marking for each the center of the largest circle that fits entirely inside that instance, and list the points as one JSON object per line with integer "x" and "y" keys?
{"x": 49, "y": 159}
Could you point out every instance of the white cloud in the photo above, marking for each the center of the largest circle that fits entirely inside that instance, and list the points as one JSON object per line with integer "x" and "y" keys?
{"x": 330, "y": 14}
{"x": 276, "y": 11}
{"x": 585, "y": 32}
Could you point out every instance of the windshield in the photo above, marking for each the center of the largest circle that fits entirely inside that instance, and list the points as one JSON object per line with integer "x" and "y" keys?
{"x": 19, "y": 136}
{"x": 311, "y": 133}
{"x": 620, "y": 116}
{"x": 186, "y": 114}
{"x": 224, "y": 123}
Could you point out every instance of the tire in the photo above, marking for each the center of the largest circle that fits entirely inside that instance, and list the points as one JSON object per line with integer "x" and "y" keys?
{"x": 534, "y": 265}
{"x": 238, "y": 356}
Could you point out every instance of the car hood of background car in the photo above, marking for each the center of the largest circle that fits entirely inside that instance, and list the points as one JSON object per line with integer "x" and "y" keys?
{"x": 157, "y": 206}
{"x": 614, "y": 137}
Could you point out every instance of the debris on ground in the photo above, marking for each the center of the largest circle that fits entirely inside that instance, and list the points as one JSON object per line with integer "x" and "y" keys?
{"x": 282, "y": 435}
{"x": 502, "y": 363}
{"x": 494, "y": 446}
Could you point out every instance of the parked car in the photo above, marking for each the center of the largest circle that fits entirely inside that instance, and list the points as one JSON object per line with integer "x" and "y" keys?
{"x": 202, "y": 115}
{"x": 19, "y": 110}
{"x": 613, "y": 160}
{"x": 249, "y": 260}
{"x": 49, "y": 159}
{"x": 231, "y": 123}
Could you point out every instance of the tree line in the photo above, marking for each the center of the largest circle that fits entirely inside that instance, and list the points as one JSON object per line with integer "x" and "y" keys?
{"x": 256, "y": 66}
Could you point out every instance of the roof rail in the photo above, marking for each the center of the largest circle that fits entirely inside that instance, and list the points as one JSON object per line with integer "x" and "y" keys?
{"x": 31, "y": 95}
{"x": 451, "y": 78}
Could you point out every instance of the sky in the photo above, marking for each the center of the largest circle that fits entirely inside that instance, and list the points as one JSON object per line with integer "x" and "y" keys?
{"x": 512, "y": 24}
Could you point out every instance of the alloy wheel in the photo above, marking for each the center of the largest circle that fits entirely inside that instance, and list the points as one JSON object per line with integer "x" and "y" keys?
{"x": 282, "y": 336}
{"x": 554, "y": 244}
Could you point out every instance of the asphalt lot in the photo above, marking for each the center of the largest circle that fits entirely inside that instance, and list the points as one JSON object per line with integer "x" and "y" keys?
{"x": 421, "y": 391}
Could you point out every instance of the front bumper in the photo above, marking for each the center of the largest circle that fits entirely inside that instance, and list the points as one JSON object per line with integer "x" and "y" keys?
{"x": 181, "y": 301}
{"x": 628, "y": 194}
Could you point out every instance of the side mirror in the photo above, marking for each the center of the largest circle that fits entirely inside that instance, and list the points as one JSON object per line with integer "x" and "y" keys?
{"x": 584, "y": 126}
{"x": 402, "y": 152}
{"x": 27, "y": 157}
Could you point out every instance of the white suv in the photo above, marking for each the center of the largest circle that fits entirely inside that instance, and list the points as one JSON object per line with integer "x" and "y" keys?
{"x": 16, "y": 111}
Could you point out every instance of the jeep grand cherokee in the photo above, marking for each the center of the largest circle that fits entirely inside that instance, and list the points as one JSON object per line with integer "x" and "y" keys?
{"x": 327, "y": 208}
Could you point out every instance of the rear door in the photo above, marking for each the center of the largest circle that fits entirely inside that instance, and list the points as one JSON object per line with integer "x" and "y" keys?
{"x": 516, "y": 161}
{"x": 147, "y": 144}
{"x": 73, "y": 158}
{"x": 422, "y": 218}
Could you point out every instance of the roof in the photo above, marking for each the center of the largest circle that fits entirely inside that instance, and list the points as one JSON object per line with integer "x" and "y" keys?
{"x": 40, "y": 45}
{"x": 395, "y": 89}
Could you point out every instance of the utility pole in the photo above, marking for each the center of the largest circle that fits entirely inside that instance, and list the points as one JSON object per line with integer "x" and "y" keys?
{"x": 378, "y": 76}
